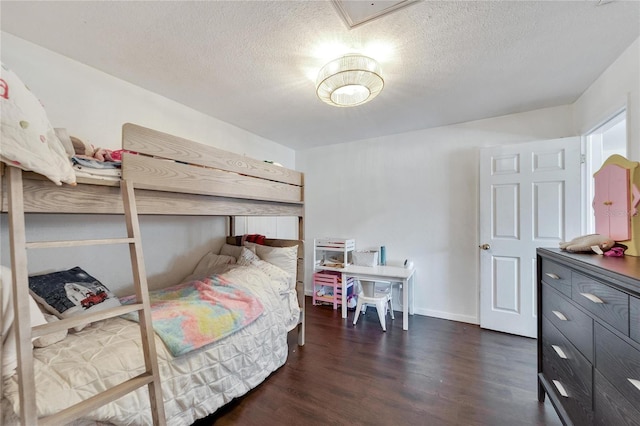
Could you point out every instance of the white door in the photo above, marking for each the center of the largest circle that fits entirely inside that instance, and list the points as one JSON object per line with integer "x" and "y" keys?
{"x": 529, "y": 198}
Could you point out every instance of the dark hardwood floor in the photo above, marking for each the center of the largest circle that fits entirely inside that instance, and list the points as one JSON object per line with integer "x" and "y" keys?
{"x": 438, "y": 373}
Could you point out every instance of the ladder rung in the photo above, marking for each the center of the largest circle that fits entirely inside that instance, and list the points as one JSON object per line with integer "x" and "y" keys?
{"x": 25, "y": 370}
{"x": 75, "y": 321}
{"x": 84, "y": 407}
{"x": 75, "y": 243}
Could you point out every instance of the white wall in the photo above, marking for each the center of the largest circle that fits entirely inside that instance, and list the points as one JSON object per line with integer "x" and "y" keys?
{"x": 617, "y": 87}
{"x": 417, "y": 194}
{"x": 93, "y": 106}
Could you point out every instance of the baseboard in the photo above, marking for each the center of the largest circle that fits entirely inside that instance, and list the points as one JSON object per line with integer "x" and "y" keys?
{"x": 470, "y": 319}
{"x": 448, "y": 316}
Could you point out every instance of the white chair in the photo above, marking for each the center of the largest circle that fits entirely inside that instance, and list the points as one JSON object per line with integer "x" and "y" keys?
{"x": 381, "y": 299}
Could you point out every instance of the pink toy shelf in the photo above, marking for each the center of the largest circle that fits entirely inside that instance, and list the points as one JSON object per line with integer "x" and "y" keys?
{"x": 327, "y": 288}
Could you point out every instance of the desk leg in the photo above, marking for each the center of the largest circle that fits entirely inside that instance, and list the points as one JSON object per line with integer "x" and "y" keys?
{"x": 405, "y": 304}
{"x": 412, "y": 283}
{"x": 344, "y": 296}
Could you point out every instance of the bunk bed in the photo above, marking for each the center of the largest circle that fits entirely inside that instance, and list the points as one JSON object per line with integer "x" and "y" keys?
{"x": 171, "y": 176}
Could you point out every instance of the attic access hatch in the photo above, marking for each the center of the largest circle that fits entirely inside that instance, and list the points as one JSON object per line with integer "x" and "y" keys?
{"x": 358, "y": 12}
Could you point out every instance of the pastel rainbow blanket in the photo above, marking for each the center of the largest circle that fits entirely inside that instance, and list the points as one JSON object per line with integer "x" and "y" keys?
{"x": 190, "y": 315}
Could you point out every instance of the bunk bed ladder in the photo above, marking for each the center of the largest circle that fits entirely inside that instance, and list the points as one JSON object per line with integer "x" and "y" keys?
{"x": 24, "y": 332}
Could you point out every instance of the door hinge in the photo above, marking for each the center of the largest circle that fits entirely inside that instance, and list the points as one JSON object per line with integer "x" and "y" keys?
{"x": 583, "y": 158}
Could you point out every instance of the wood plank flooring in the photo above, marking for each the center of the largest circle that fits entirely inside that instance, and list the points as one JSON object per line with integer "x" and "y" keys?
{"x": 438, "y": 373}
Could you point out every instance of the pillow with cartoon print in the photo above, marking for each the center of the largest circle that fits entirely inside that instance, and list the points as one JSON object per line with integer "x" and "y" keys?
{"x": 70, "y": 293}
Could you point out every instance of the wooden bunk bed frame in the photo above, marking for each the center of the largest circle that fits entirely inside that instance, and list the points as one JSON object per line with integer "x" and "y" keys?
{"x": 171, "y": 176}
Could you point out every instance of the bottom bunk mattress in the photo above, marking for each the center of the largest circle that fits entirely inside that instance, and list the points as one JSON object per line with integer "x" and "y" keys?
{"x": 194, "y": 385}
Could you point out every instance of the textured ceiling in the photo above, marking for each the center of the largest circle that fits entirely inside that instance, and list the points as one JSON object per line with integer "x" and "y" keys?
{"x": 253, "y": 64}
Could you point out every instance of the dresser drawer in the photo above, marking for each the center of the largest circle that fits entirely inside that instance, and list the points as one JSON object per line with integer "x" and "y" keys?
{"x": 557, "y": 276}
{"x": 634, "y": 318}
{"x": 574, "y": 324}
{"x": 558, "y": 351}
{"x": 598, "y": 324}
{"x": 608, "y": 304}
{"x": 619, "y": 363}
{"x": 611, "y": 408}
{"x": 569, "y": 374}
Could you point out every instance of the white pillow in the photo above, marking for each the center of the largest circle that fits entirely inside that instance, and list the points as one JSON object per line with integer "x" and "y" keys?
{"x": 210, "y": 264}
{"x": 247, "y": 257}
{"x": 231, "y": 250}
{"x": 9, "y": 351}
{"x": 278, "y": 276}
{"x": 49, "y": 339}
{"x": 37, "y": 317}
{"x": 28, "y": 139}
{"x": 286, "y": 258}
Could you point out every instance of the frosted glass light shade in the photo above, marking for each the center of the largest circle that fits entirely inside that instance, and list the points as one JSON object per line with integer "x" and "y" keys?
{"x": 349, "y": 81}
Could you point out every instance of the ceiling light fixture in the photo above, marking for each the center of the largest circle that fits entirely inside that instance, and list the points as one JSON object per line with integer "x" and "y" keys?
{"x": 349, "y": 81}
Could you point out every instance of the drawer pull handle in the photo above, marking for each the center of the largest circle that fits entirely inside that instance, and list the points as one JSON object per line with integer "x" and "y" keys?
{"x": 559, "y": 351}
{"x": 592, "y": 297}
{"x": 560, "y": 315}
{"x": 552, "y": 276}
{"x": 635, "y": 383}
{"x": 560, "y": 388}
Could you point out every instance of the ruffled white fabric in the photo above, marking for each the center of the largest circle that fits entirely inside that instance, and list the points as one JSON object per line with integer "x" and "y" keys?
{"x": 28, "y": 139}
{"x": 193, "y": 385}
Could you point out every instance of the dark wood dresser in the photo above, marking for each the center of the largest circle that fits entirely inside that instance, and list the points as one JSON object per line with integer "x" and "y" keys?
{"x": 589, "y": 337}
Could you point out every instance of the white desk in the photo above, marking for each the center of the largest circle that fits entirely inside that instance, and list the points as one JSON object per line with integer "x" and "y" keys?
{"x": 393, "y": 274}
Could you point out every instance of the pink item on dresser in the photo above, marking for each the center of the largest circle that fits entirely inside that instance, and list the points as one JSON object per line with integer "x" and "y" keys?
{"x": 611, "y": 203}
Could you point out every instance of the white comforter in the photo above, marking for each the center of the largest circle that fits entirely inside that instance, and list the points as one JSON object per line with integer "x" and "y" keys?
{"x": 193, "y": 385}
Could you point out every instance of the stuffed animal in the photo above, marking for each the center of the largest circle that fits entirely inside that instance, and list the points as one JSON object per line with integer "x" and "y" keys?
{"x": 82, "y": 148}
{"x": 585, "y": 242}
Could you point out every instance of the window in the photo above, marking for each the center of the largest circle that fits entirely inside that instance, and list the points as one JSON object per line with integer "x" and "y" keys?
{"x": 607, "y": 139}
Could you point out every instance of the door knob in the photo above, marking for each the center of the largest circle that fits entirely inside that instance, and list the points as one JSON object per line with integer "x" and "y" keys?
{"x": 485, "y": 246}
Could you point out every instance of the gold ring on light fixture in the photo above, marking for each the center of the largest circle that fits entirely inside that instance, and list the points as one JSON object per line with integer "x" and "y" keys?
{"x": 349, "y": 81}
